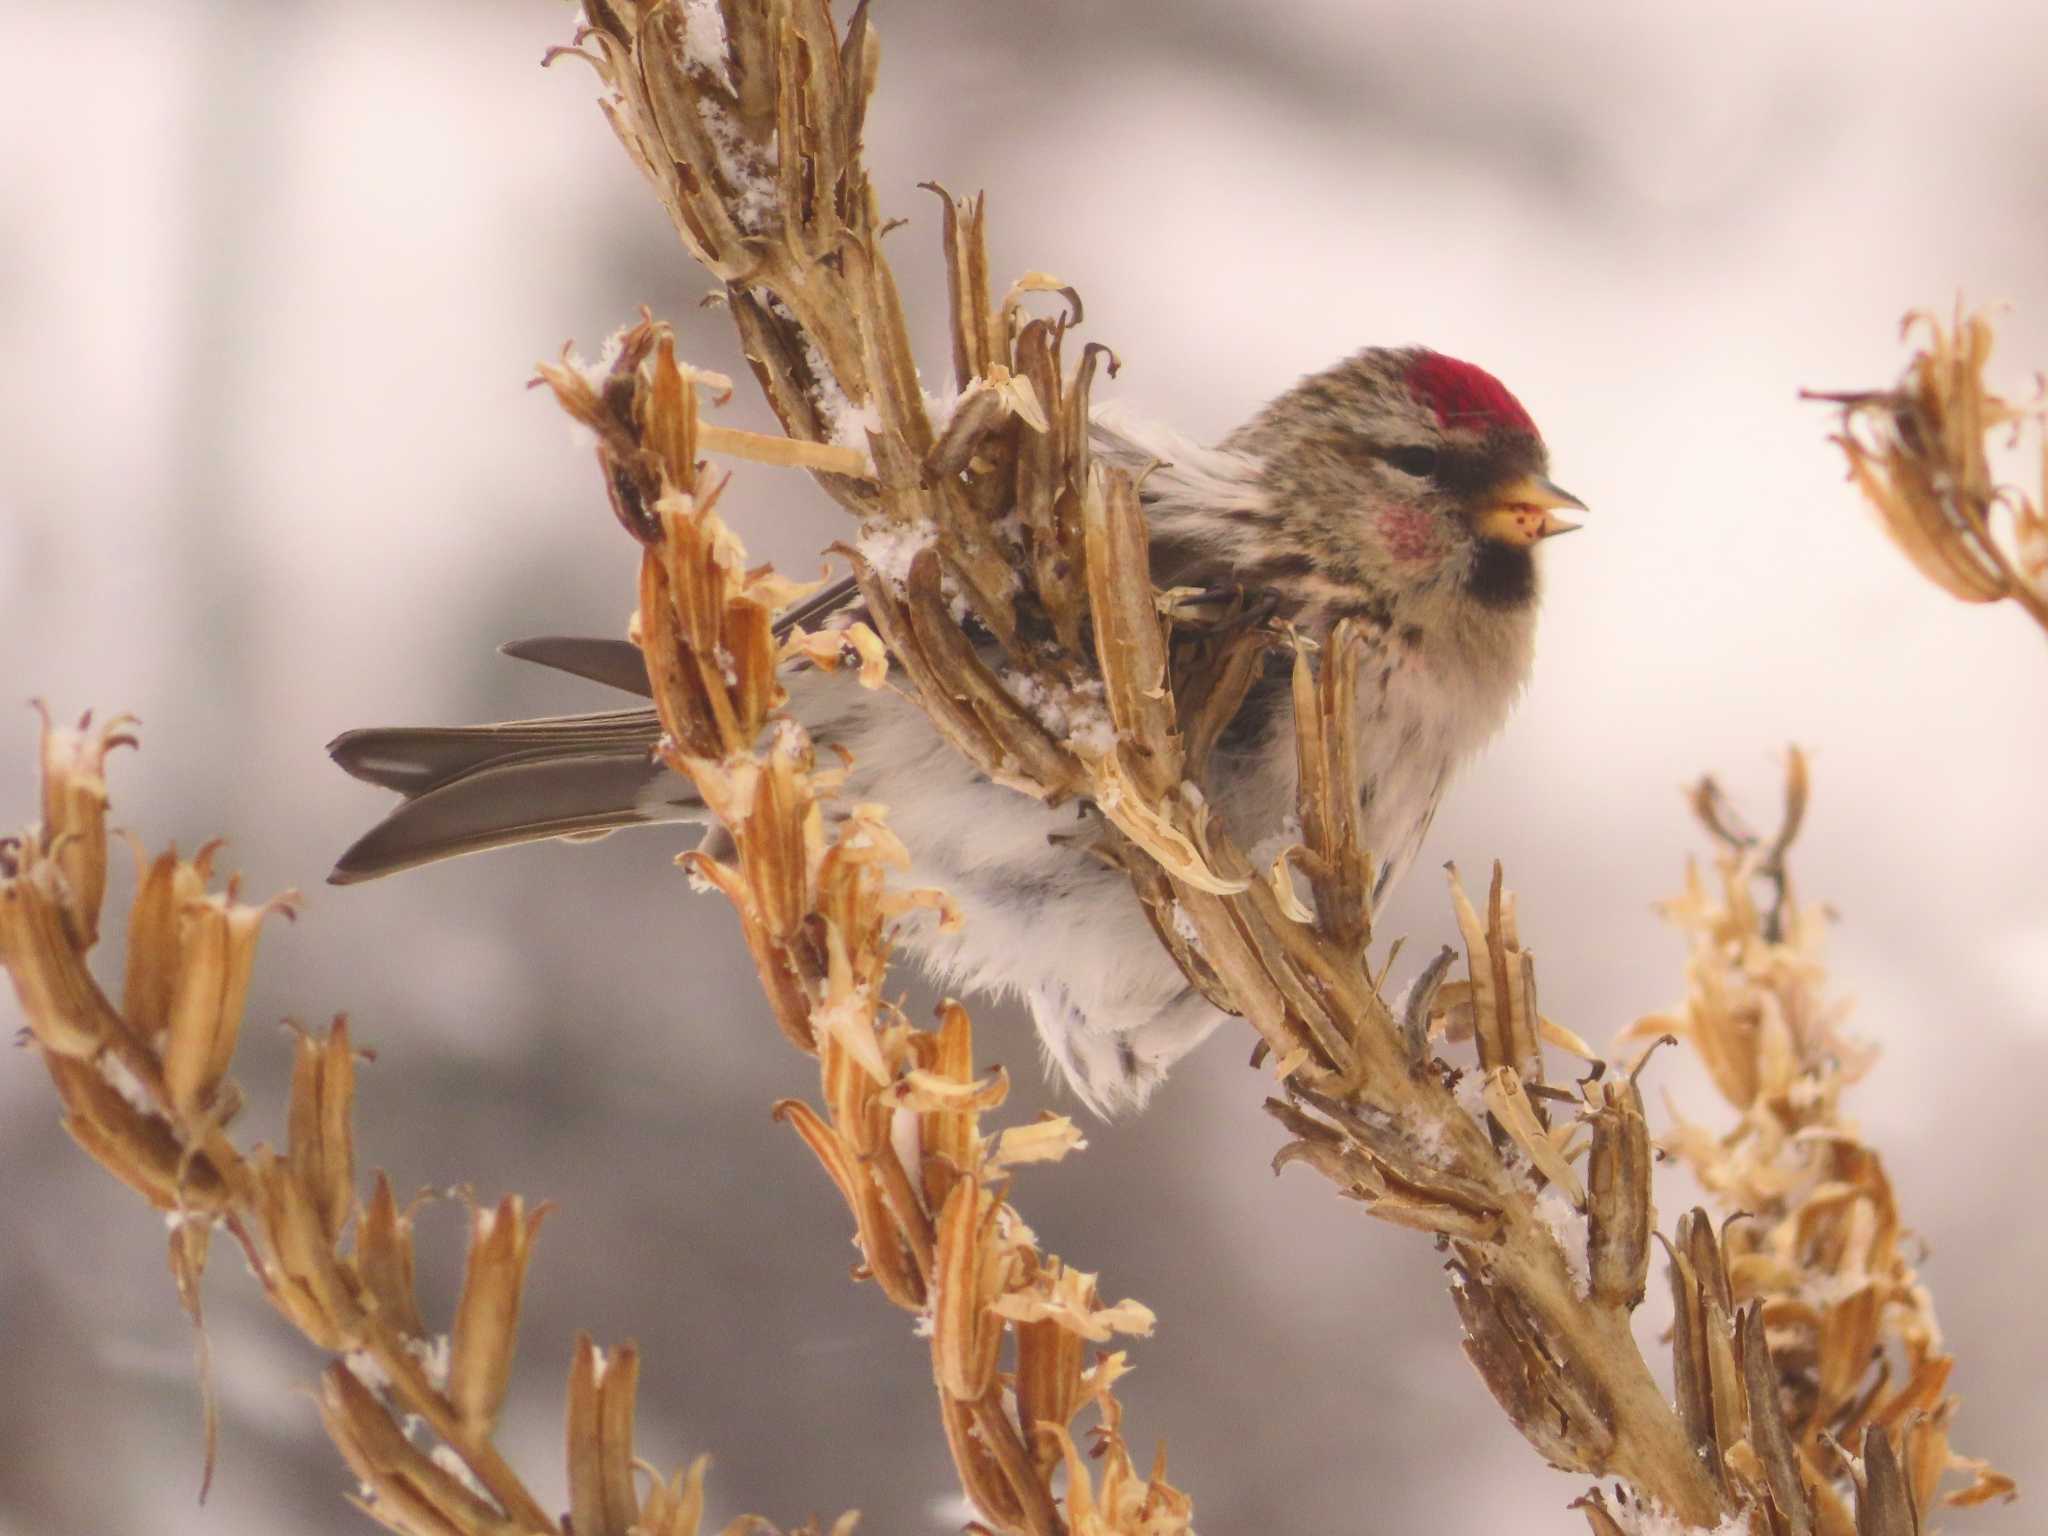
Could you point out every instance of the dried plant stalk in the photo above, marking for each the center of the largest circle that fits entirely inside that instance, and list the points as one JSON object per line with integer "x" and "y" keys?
{"x": 1817, "y": 1268}
{"x": 900, "y": 1130}
{"x": 1918, "y": 452}
{"x": 1026, "y": 524}
{"x": 988, "y": 513}
{"x": 146, "y": 1092}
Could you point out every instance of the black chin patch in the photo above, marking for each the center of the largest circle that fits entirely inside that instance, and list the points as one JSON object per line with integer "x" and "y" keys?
{"x": 1503, "y": 575}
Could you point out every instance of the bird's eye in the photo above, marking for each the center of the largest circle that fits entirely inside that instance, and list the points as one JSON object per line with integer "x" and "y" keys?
{"x": 1414, "y": 459}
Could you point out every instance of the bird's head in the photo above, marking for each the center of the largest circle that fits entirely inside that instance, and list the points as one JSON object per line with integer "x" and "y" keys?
{"x": 1402, "y": 476}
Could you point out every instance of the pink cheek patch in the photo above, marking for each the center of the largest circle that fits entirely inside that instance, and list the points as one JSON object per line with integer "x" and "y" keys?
{"x": 1409, "y": 533}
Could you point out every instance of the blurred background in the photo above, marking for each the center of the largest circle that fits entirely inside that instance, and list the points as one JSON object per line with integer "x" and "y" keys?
{"x": 273, "y": 277}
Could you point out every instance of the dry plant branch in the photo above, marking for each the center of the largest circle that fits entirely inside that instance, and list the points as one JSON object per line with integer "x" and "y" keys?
{"x": 146, "y": 1092}
{"x": 1918, "y": 452}
{"x": 1817, "y": 1260}
{"x": 987, "y": 517}
{"x": 1005, "y": 576}
{"x": 901, "y": 1134}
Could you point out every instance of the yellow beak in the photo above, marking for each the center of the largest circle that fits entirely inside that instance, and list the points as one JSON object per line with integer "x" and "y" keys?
{"x": 1526, "y": 511}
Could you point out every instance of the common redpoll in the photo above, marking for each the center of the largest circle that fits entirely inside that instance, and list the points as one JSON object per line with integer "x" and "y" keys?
{"x": 1400, "y": 488}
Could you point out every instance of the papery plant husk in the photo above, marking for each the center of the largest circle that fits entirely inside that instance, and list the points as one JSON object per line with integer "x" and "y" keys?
{"x": 1920, "y": 453}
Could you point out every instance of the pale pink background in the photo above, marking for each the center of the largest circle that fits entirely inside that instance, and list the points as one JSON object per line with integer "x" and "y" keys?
{"x": 272, "y": 278}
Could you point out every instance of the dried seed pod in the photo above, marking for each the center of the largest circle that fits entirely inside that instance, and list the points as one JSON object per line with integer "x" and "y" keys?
{"x": 1547, "y": 1393}
{"x": 1730, "y": 1398}
{"x": 853, "y": 1096}
{"x": 1769, "y": 1435}
{"x": 318, "y": 1138}
{"x": 486, "y": 1332}
{"x": 1326, "y": 761}
{"x": 968, "y": 1275}
{"x": 678, "y": 583}
{"x": 1848, "y": 1338}
{"x": 1049, "y": 1387}
{"x": 948, "y": 1138}
{"x": 73, "y": 836}
{"x": 137, "y": 1147}
{"x": 976, "y": 342}
{"x": 773, "y": 963}
{"x": 1691, "y": 1373}
{"x": 1696, "y": 1237}
{"x": 218, "y": 952}
{"x": 1043, "y": 493}
{"x": 602, "y": 1497}
{"x": 65, "y": 1009}
{"x": 1712, "y": 1396}
{"x": 1503, "y": 1001}
{"x": 1130, "y": 644}
{"x": 981, "y": 1474}
{"x": 154, "y": 920}
{"x": 676, "y": 1507}
{"x": 1619, "y": 1218}
{"x": 826, "y": 1145}
{"x": 303, "y": 1277}
{"x": 951, "y": 712}
{"x": 383, "y": 1260}
{"x": 1884, "y": 1501}
{"x": 1401, "y": 1168}
{"x": 1029, "y": 758}
{"x": 408, "y": 1491}
{"x": 892, "y": 1255}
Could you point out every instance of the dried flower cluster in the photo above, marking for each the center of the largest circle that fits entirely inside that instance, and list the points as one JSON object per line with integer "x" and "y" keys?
{"x": 146, "y": 1091}
{"x": 1918, "y": 452}
{"x": 901, "y": 1130}
{"x": 1816, "y": 1262}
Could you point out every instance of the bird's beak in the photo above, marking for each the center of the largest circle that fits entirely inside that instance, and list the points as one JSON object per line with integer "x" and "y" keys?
{"x": 1527, "y": 511}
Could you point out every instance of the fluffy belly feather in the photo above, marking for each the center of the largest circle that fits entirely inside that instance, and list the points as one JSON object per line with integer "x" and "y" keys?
{"x": 1048, "y": 923}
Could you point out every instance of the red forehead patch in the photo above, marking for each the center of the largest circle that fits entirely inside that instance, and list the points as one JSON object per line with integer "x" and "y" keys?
{"x": 1465, "y": 396}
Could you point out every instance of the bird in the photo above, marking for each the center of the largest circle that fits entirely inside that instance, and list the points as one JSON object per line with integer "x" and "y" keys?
{"x": 1402, "y": 489}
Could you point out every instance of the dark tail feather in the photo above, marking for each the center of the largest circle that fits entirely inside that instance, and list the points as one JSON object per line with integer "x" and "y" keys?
{"x": 614, "y": 663}
{"x": 574, "y": 793}
{"x": 468, "y": 788}
{"x": 413, "y": 759}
